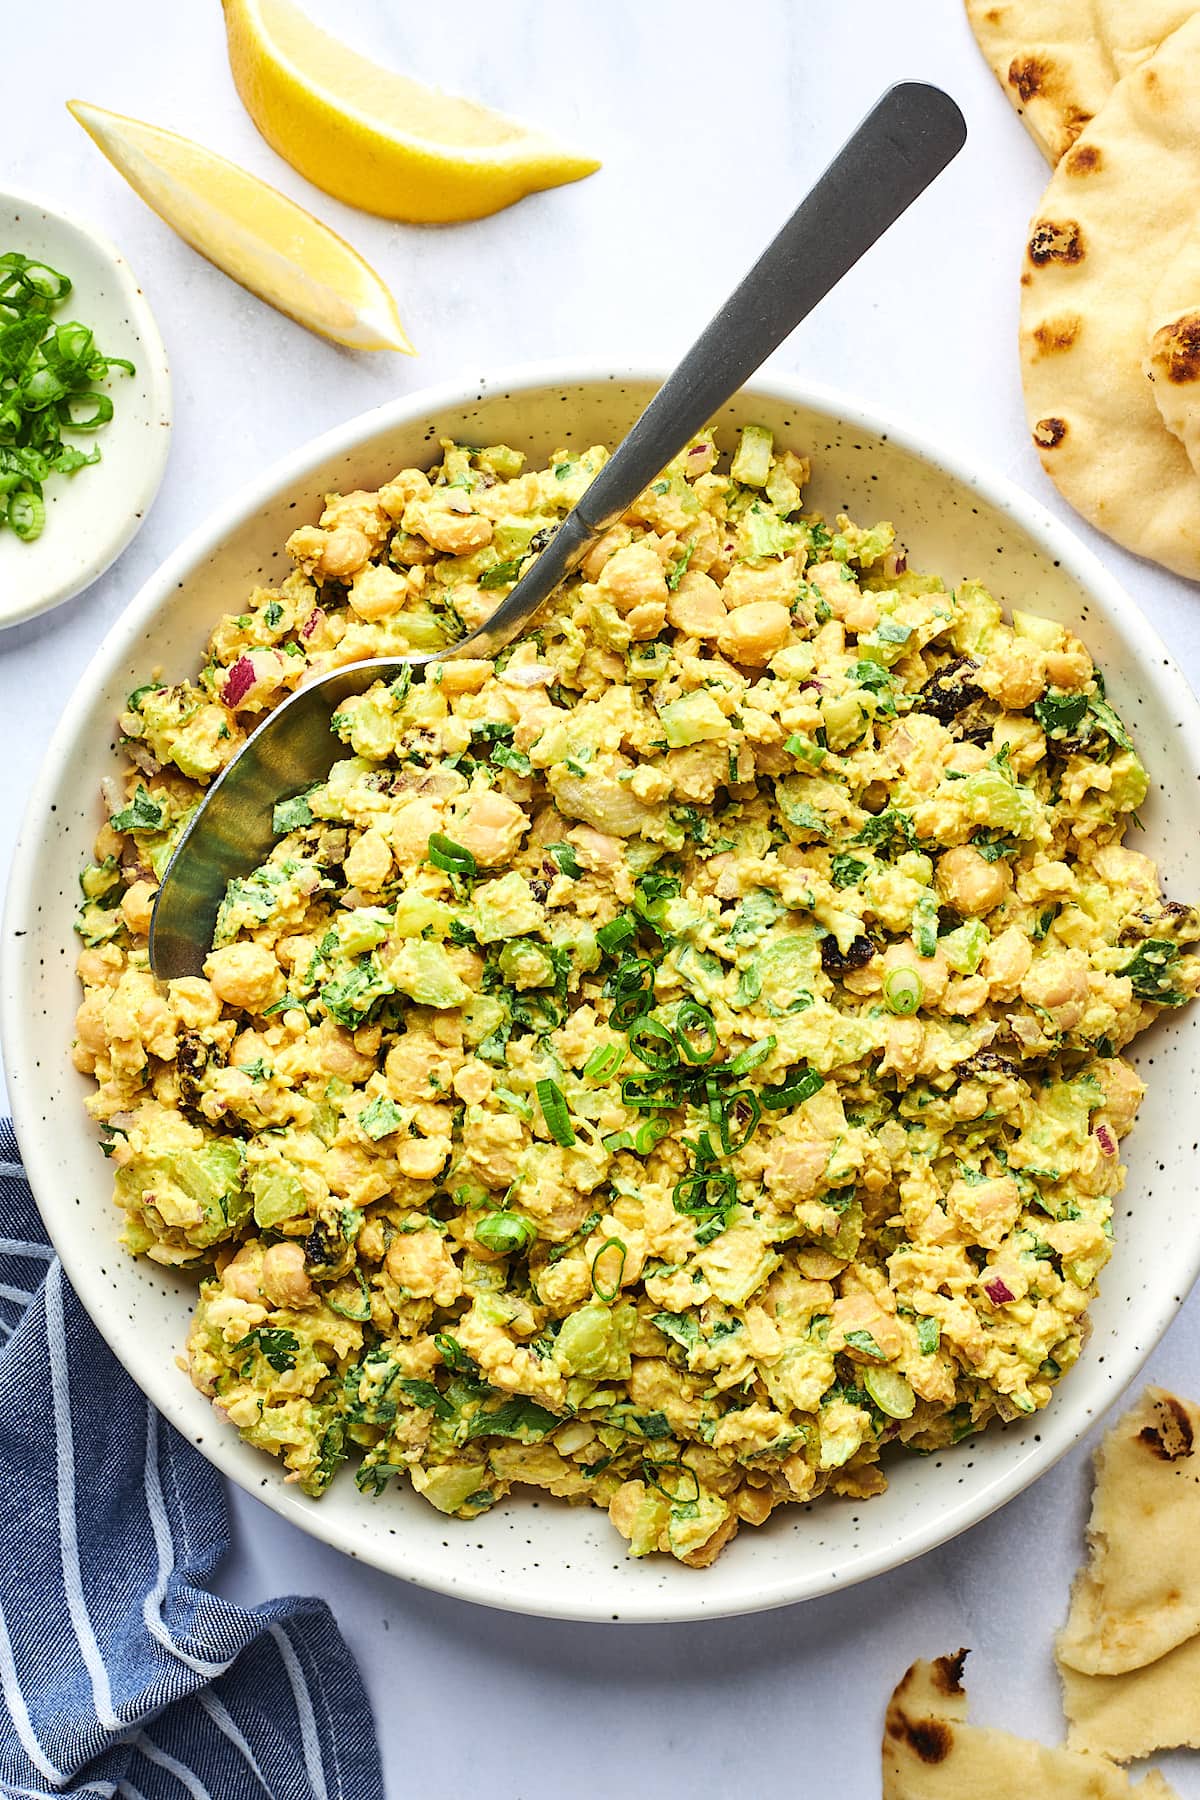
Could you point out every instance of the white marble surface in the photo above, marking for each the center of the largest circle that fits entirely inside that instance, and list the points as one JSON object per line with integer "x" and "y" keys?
{"x": 710, "y": 122}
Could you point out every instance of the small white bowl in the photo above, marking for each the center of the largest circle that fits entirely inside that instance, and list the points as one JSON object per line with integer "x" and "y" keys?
{"x": 539, "y": 1555}
{"x": 93, "y": 514}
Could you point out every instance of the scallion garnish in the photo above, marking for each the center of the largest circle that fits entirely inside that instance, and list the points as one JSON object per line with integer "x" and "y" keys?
{"x": 504, "y": 1232}
{"x": 48, "y": 374}
{"x": 736, "y": 1117}
{"x": 654, "y": 1043}
{"x": 554, "y": 1111}
{"x": 792, "y": 1092}
{"x": 903, "y": 991}
{"x": 748, "y": 1059}
{"x": 691, "y": 1020}
{"x": 609, "y": 1292}
{"x": 450, "y": 857}
{"x": 618, "y": 931}
{"x": 604, "y": 1061}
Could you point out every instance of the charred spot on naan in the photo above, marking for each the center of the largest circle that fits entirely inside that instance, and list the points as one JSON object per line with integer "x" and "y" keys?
{"x": 931, "y": 1739}
{"x": 1057, "y": 334}
{"x": 1175, "y": 349}
{"x": 948, "y": 1670}
{"x": 1170, "y": 1437}
{"x": 1048, "y": 434}
{"x": 1053, "y": 240}
{"x": 1027, "y": 74}
{"x": 1084, "y": 159}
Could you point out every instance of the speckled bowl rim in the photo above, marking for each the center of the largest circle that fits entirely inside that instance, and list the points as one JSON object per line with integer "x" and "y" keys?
{"x": 154, "y": 369}
{"x": 1062, "y": 1425}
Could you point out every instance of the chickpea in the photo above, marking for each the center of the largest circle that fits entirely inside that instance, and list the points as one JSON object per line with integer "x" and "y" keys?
{"x": 633, "y": 577}
{"x": 618, "y": 537}
{"x": 240, "y": 1276}
{"x": 441, "y": 524}
{"x": 1070, "y": 668}
{"x": 464, "y": 675}
{"x": 971, "y": 884}
{"x": 1057, "y": 983}
{"x": 696, "y": 606}
{"x": 378, "y": 592}
{"x": 284, "y": 1277}
{"x": 755, "y": 632}
{"x": 336, "y": 1054}
{"x": 491, "y": 827}
{"x": 473, "y": 1082}
{"x": 244, "y": 975}
{"x": 89, "y": 1023}
{"x": 1015, "y": 675}
{"x": 100, "y": 965}
{"x": 346, "y": 551}
{"x": 136, "y": 905}
{"x": 1006, "y": 963}
{"x": 646, "y": 620}
{"x": 193, "y": 1002}
{"x": 369, "y": 862}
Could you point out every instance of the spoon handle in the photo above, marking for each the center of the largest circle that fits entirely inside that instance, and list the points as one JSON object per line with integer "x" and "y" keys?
{"x": 905, "y": 141}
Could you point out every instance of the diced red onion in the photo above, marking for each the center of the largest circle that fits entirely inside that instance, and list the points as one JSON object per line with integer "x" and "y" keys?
{"x": 1106, "y": 1140}
{"x": 316, "y": 617}
{"x": 997, "y": 1291}
{"x": 698, "y": 450}
{"x": 238, "y": 682}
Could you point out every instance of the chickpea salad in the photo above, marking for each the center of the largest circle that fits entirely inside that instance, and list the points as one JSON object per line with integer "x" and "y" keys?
{"x": 667, "y": 1065}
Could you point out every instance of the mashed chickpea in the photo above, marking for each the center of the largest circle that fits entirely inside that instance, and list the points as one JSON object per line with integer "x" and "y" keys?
{"x": 667, "y": 1066}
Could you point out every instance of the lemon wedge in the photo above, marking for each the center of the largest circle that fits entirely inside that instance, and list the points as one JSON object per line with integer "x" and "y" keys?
{"x": 374, "y": 138}
{"x": 251, "y": 232}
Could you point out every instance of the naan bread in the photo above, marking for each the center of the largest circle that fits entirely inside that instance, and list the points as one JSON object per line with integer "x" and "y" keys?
{"x": 1139, "y": 1595}
{"x": 1173, "y": 355}
{"x": 931, "y": 1753}
{"x": 1148, "y": 1709}
{"x": 1050, "y": 62}
{"x": 1118, "y": 208}
{"x": 1058, "y": 60}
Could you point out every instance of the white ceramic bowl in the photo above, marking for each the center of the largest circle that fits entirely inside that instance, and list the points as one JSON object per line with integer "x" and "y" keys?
{"x": 92, "y": 515}
{"x": 544, "y": 1557}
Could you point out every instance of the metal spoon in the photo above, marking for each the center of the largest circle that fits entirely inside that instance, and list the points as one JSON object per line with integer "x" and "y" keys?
{"x": 901, "y": 146}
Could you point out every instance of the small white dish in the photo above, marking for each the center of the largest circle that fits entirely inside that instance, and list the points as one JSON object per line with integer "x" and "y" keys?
{"x": 92, "y": 515}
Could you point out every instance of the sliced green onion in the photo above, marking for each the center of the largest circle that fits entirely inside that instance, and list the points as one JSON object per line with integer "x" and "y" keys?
{"x": 681, "y": 1494}
{"x": 903, "y": 991}
{"x": 450, "y": 857}
{"x": 642, "y": 1141}
{"x": 26, "y": 513}
{"x": 749, "y": 1059}
{"x": 704, "y": 1193}
{"x": 363, "y": 1311}
{"x": 566, "y": 860}
{"x": 691, "y": 1017}
{"x": 554, "y": 1111}
{"x": 647, "y": 1093}
{"x": 739, "y": 1109}
{"x": 804, "y": 750}
{"x": 504, "y": 1232}
{"x": 451, "y": 1352}
{"x": 604, "y": 1061}
{"x": 618, "y": 931}
{"x": 655, "y": 1044}
{"x": 609, "y": 1294}
{"x": 632, "y": 989}
{"x": 793, "y": 1092}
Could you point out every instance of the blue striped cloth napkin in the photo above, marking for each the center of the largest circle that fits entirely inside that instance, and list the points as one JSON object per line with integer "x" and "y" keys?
{"x": 120, "y": 1673}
